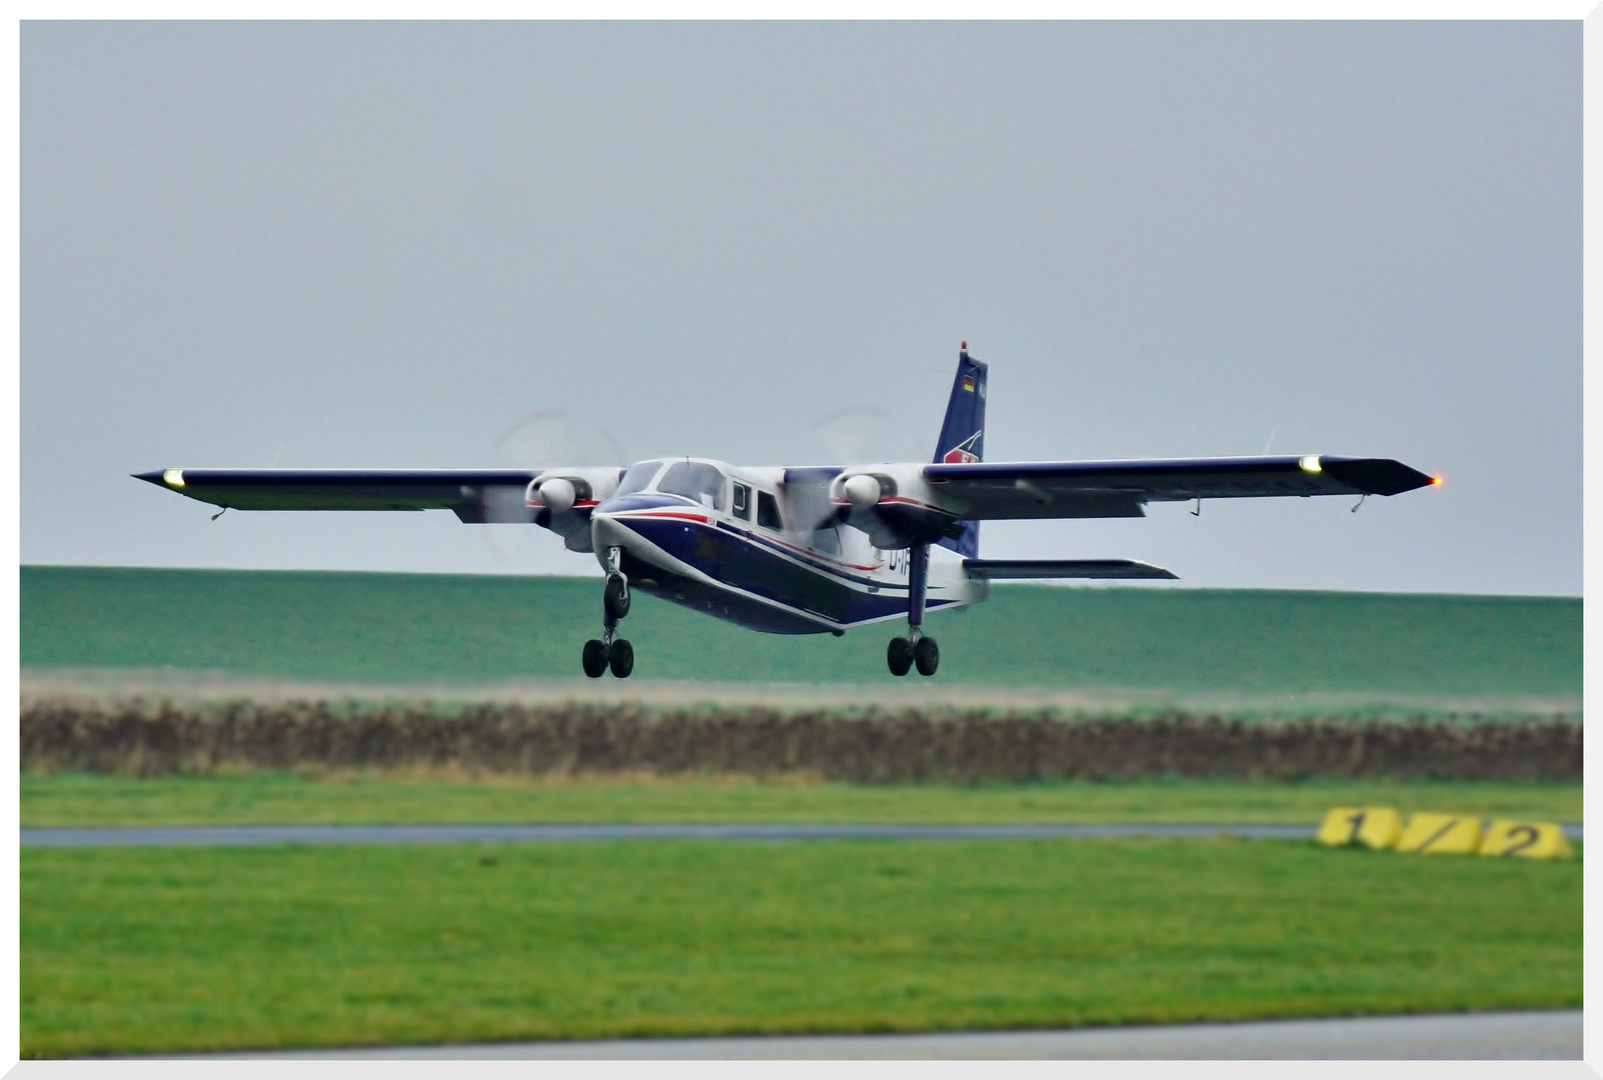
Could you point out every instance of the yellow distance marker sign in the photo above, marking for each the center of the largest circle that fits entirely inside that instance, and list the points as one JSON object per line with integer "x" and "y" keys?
{"x": 1441, "y": 834}
{"x": 1526, "y": 840}
{"x": 1374, "y": 827}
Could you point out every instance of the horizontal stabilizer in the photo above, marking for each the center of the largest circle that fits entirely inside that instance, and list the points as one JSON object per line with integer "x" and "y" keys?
{"x": 1063, "y": 568}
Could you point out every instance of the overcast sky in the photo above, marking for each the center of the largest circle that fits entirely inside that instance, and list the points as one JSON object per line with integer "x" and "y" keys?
{"x": 394, "y": 244}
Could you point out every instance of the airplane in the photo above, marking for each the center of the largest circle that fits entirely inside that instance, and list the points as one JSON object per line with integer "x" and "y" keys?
{"x": 805, "y": 549}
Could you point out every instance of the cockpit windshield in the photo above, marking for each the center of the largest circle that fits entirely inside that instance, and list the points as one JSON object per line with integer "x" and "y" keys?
{"x": 695, "y": 480}
{"x": 638, "y": 478}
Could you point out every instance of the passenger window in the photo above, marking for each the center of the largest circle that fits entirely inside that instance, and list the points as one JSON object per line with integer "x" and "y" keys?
{"x": 742, "y": 502}
{"x": 768, "y": 511}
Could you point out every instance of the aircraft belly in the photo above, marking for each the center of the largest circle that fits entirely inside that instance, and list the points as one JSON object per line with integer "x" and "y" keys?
{"x": 712, "y": 600}
{"x": 748, "y": 572}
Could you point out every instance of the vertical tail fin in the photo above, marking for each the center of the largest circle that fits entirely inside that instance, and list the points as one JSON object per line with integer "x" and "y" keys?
{"x": 963, "y": 436}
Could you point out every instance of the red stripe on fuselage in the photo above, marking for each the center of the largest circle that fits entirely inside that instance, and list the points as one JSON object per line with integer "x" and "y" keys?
{"x": 656, "y": 514}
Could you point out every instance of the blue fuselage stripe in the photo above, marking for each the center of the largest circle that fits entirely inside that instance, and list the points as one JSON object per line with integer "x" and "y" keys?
{"x": 754, "y": 565}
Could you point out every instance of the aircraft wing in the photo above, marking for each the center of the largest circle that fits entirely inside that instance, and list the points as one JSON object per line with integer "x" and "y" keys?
{"x": 476, "y": 496}
{"x": 1095, "y": 489}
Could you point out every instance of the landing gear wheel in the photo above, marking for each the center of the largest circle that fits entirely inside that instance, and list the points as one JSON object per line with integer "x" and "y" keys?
{"x": 622, "y": 658}
{"x": 615, "y": 598}
{"x": 899, "y": 656}
{"x": 595, "y": 658}
{"x": 927, "y": 655}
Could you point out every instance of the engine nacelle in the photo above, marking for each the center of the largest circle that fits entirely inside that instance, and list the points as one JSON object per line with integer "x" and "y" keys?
{"x": 558, "y": 494}
{"x": 561, "y": 500}
{"x": 862, "y": 491}
{"x": 893, "y": 504}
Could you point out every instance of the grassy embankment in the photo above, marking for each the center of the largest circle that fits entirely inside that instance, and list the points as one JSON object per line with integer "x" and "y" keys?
{"x": 129, "y": 951}
{"x": 395, "y": 628}
{"x": 411, "y": 627}
{"x": 278, "y": 799}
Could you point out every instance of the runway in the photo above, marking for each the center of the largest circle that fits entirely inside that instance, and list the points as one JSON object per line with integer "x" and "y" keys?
{"x": 367, "y": 835}
{"x": 325, "y": 835}
{"x": 1493, "y": 1036}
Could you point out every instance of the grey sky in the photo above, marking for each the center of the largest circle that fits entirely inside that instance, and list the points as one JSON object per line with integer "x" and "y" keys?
{"x": 388, "y": 245}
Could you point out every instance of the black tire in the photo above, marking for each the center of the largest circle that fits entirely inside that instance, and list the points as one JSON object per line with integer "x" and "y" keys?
{"x": 899, "y": 656}
{"x": 595, "y": 659}
{"x": 615, "y": 598}
{"x": 622, "y": 658}
{"x": 927, "y": 655}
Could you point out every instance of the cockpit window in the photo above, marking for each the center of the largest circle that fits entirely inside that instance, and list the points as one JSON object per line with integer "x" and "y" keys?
{"x": 638, "y": 478}
{"x": 695, "y": 480}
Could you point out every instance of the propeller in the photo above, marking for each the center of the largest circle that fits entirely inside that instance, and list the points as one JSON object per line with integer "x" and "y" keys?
{"x": 806, "y": 506}
{"x": 540, "y": 440}
{"x": 856, "y": 435}
{"x": 863, "y": 434}
{"x": 556, "y": 437}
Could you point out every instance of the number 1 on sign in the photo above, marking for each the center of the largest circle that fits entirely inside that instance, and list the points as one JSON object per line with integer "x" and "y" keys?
{"x": 1357, "y": 822}
{"x": 1368, "y": 826}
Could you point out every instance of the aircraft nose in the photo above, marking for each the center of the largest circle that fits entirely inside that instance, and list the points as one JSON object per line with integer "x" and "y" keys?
{"x": 607, "y": 530}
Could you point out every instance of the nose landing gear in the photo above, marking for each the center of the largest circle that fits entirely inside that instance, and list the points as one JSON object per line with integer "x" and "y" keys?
{"x": 615, "y": 597}
{"x": 611, "y": 651}
{"x": 904, "y": 653}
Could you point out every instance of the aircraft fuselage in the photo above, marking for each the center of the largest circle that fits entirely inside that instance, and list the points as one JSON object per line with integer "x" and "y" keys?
{"x": 728, "y": 553}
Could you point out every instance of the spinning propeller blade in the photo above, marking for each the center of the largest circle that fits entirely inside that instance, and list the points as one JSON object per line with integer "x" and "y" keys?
{"x": 556, "y": 437}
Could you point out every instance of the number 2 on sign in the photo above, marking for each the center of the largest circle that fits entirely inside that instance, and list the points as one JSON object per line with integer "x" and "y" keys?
{"x": 1528, "y": 835}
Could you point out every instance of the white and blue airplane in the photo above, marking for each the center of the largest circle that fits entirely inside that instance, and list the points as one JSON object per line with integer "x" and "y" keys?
{"x": 811, "y": 549}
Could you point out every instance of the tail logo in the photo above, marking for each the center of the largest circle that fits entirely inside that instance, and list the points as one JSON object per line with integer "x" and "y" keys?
{"x": 960, "y": 454}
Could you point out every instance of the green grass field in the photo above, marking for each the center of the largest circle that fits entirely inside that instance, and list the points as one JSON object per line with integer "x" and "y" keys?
{"x": 279, "y": 799}
{"x": 127, "y": 951}
{"x": 164, "y": 950}
{"x": 409, "y": 627}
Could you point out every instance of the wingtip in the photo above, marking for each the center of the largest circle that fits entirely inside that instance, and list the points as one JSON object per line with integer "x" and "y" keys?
{"x": 1376, "y": 476}
{"x": 166, "y": 479}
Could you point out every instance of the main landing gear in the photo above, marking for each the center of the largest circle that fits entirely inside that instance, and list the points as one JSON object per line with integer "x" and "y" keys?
{"x": 611, "y": 651}
{"x": 904, "y": 653}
